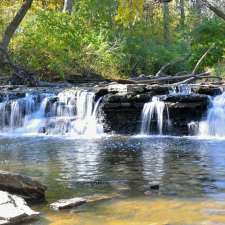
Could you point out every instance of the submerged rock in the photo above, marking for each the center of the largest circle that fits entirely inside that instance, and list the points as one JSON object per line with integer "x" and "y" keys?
{"x": 75, "y": 202}
{"x": 98, "y": 197}
{"x": 22, "y": 185}
{"x": 68, "y": 203}
{"x": 14, "y": 209}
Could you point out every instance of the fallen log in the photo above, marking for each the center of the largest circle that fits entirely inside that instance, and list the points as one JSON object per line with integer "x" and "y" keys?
{"x": 191, "y": 79}
{"x": 170, "y": 79}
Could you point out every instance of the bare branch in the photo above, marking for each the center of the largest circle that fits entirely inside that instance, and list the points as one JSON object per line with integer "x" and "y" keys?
{"x": 202, "y": 58}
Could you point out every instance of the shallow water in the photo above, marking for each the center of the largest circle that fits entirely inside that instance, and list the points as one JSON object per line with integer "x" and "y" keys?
{"x": 190, "y": 173}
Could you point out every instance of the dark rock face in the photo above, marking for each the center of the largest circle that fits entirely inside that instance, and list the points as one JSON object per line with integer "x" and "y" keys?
{"x": 122, "y": 118}
{"x": 122, "y": 111}
{"x": 21, "y": 185}
{"x": 208, "y": 90}
{"x": 184, "y": 110}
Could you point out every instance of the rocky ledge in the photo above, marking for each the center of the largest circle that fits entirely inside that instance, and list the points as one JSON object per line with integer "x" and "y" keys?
{"x": 23, "y": 186}
{"x": 125, "y": 102}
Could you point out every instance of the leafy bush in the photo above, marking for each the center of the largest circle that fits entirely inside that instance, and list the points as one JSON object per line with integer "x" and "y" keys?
{"x": 209, "y": 32}
{"x": 95, "y": 39}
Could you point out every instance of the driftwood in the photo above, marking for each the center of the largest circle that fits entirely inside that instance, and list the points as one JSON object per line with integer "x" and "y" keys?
{"x": 191, "y": 79}
{"x": 174, "y": 80}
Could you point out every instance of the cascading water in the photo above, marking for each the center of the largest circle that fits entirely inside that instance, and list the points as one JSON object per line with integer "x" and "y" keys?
{"x": 181, "y": 89}
{"x": 72, "y": 112}
{"x": 214, "y": 125}
{"x": 151, "y": 111}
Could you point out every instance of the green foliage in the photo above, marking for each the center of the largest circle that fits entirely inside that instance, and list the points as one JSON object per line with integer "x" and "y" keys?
{"x": 100, "y": 37}
{"x": 58, "y": 42}
{"x": 209, "y": 32}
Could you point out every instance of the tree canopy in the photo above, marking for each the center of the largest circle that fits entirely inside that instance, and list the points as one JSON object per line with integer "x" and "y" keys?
{"x": 115, "y": 38}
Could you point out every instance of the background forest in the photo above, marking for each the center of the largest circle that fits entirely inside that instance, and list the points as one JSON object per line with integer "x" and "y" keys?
{"x": 116, "y": 38}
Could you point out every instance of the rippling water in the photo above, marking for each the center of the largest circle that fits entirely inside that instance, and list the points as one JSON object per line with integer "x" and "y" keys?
{"x": 190, "y": 174}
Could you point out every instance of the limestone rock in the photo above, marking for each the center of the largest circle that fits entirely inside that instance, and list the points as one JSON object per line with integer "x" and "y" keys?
{"x": 14, "y": 209}
{"x": 126, "y": 88}
{"x": 68, "y": 203}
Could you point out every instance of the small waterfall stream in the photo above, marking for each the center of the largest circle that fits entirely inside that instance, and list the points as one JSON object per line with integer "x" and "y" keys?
{"x": 72, "y": 112}
{"x": 181, "y": 89}
{"x": 153, "y": 110}
{"x": 214, "y": 125}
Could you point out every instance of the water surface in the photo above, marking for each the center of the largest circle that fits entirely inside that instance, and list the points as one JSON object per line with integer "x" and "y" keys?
{"x": 190, "y": 174}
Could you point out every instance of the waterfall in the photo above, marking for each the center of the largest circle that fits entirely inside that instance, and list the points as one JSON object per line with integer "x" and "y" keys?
{"x": 13, "y": 111}
{"x": 73, "y": 112}
{"x": 214, "y": 125}
{"x": 154, "y": 110}
{"x": 181, "y": 89}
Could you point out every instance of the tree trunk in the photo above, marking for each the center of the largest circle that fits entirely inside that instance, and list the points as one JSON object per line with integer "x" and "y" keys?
{"x": 11, "y": 28}
{"x": 215, "y": 9}
{"x": 166, "y": 22}
{"x": 68, "y": 6}
{"x": 182, "y": 14}
{"x": 19, "y": 74}
{"x": 198, "y": 6}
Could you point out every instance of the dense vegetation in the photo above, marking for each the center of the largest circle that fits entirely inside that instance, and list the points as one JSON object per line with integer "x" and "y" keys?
{"x": 115, "y": 38}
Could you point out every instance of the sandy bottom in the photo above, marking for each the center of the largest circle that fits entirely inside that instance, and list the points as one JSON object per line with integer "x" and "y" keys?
{"x": 140, "y": 212}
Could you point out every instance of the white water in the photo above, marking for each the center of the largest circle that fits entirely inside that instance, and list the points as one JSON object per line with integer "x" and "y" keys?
{"x": 153, "y": 110}
{"x": 181, "y": 89}
{"x": 72, "y": 112}
{"x": 214, "y": 125}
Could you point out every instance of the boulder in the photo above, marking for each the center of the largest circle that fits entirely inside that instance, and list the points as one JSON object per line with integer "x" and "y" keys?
{"x": 14, "y": 209}
{"x": 68, "y": 203}
{"x": 22, "y": 185}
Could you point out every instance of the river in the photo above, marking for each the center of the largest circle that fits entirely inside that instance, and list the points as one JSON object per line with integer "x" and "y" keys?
{"x": 190, "y": 174}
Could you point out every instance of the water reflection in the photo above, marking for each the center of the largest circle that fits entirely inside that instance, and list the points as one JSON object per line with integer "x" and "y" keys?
{"x": 129, "y": 166}
{"x": 81, "y": 162}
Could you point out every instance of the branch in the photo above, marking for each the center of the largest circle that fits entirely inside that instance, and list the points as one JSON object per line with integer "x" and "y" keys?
{"x": 197, "y": 77}
{"x": 11, "y": 28}
{"x": 213, "y": 8}
{"x": 202, "y": 58}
